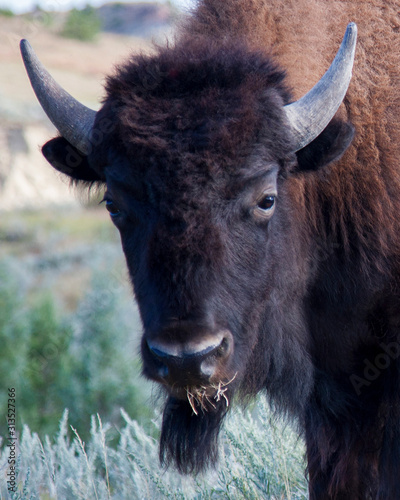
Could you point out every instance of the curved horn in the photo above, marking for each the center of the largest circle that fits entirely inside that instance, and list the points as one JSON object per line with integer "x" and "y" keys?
{"x": 72, "y": 119}
{"x": 311, "y": 114}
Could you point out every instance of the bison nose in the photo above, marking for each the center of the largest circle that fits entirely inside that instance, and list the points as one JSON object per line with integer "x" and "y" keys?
{"x": 190, "y": 362}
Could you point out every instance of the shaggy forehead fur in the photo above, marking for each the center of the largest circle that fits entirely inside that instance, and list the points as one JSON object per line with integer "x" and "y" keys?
{"x": 200, "y": 108}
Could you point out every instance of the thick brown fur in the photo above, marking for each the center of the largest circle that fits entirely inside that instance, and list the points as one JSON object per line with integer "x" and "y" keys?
{"x": 313, "y": 297}
{"x": 303, "y": 37}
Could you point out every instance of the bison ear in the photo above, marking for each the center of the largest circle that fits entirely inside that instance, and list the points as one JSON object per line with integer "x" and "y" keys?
{"x": 67, "y": 159}
{"x": 329, "y": 146}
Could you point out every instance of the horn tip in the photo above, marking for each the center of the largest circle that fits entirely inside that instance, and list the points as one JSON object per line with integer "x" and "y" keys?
{"x": 24, "y": 44}
{"x": 25, "y": 48}
{"x": 351, "y": 30}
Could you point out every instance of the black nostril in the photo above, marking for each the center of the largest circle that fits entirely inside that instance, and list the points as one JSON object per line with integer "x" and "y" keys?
{"x": 160, "y": 366}
{"x": 163, "y": 371}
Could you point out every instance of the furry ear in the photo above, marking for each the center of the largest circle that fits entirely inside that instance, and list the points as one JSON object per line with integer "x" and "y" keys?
{"x": 329, "y": 146}
{"x": 67, "y": 159}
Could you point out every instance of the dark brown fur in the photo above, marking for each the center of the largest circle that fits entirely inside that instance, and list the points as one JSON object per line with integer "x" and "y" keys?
{"x": 313, "y": 297}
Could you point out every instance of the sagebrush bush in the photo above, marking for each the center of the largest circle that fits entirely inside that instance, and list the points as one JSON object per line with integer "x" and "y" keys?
{"x": 105, "y": 350}
{"x": 14, "y": 332}
{"x": 85, "y": 360}
{"x": 261, "y": 458}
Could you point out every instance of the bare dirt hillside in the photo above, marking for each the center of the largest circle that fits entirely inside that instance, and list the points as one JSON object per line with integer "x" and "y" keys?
{"x": 25, "y": 178}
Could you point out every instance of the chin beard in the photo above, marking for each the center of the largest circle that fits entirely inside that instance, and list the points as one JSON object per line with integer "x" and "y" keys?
{"x": 189, "y": 434}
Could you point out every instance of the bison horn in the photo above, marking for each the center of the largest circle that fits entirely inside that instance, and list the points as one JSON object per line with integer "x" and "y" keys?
{"x": 72, "y": 119}
{"x": 309, "y": 116}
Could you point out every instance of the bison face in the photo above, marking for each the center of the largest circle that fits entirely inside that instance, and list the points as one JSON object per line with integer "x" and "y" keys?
{"x": 202, "y": 258}
{"x": 199, "y": 262}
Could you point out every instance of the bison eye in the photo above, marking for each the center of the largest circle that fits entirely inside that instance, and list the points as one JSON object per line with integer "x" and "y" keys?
{"x": 265, "y": 206}
{"x": 266, "y": 203}
{"x": 112, "y": 208}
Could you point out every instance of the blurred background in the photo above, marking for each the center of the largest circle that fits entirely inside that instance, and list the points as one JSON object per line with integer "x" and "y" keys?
{"x": 69, "y": 328}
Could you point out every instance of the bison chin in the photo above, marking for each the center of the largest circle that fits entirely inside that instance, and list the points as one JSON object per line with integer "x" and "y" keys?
{"x": 189, "y": 440}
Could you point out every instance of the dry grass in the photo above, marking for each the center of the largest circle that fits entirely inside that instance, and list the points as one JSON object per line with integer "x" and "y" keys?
{"x": 206, "y": 397}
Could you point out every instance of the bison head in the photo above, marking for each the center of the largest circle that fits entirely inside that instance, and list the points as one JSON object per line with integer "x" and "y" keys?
{"x": 197, "y": 146}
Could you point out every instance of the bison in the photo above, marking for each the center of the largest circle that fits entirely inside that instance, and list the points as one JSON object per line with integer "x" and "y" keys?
{"x": 260, "y": 228}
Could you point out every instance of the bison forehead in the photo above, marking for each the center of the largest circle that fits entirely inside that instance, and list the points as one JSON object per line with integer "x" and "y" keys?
{"x": 198, "y": 100}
